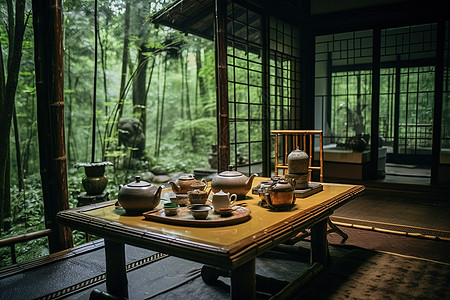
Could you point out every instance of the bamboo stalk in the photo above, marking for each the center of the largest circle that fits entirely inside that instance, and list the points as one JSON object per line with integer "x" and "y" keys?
{"x": 276, "y": 154}
{"x": 47, "y": 23}
{"x": 94, "y": 96}
{"x": 222, "y": 84}
{"x": 311, "y": 153}
{"x": 285, "y": 149}
{"x": 321, "y": 155}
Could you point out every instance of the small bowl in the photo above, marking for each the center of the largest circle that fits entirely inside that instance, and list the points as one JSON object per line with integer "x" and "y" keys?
{"x": 170, "y": 209}
{"x": 180, "y": 199}
{"x": 225, "y": 211}
{"x": 199, "y": 211}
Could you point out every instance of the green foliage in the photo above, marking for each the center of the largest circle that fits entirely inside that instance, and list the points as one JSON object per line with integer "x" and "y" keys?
{"x": 181, "y": 96}
{"x": 27, "y": 216}
{"x": 351, "y": 104}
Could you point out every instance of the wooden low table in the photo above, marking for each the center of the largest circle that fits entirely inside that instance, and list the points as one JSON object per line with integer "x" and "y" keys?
{"x": 230, "y": 248}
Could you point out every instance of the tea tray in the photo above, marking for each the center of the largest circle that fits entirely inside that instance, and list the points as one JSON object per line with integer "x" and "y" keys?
{"x": 184, "y": 217}
{"x": 310, "y": 190}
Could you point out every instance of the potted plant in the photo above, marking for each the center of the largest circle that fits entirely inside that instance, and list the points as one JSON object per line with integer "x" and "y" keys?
{"x": 359, "y": 141}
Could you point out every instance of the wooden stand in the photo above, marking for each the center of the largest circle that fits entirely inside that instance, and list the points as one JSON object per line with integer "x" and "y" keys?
{"x": 310, "y": 190}
{"x": 298, "y": 139}
{"x": 85, "y": 199}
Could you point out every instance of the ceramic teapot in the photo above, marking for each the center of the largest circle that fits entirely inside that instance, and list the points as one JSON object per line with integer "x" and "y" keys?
{"x": 222, "y": 200}
{"x": 139, "y": 196}
{"x": 232, "y": 182}
{"x": 186, "y": 183}
{"x": 280, "y": 194}
{"x": 198, "y": 195}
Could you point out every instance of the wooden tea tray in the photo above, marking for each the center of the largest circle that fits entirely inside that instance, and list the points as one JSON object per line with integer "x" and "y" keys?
{"x": 310, "y": 190}
{"x": 184, "y": 217}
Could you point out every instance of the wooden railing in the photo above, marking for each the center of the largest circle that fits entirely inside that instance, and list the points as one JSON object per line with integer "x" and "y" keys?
{"x": 12, "y": 241}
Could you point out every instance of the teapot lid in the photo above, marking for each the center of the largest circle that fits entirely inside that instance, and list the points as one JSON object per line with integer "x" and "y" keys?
{"x": 298, "y": 153}
{"x": 139, "y": 183}
{"x": 186, "y": 177}
{"x": 221, "y": 193}
{"x": 197, "y": 192}
{"x": 230, "y": 172}
{"x": 281, "y": 186}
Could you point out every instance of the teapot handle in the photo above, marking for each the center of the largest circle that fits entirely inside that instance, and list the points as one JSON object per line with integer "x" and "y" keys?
{"x": 269, "y": 202}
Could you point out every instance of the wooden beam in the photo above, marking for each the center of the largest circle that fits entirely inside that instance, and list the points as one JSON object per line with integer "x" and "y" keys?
{"x": 223, "y": 133}
{"x": 438, "y": 103}
{"x": 47, "y": 25}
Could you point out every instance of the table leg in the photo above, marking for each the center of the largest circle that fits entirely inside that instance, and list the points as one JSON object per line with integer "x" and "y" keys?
{"x": 116, "y": 274}
{"x": 243, "y": 281}
{"x": 319, "y": 243}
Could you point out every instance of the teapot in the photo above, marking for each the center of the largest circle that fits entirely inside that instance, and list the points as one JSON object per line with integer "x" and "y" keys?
{"x": 139, "y": 196}
{"x": 232, "y": 182}
{"x": 280, "y": 194}
{"x": 198, "y": 195}
{"x": 185, "y": 183}
{"x": 222, "y": 200}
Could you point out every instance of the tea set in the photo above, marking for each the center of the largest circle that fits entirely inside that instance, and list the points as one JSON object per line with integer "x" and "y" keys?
{"x": 226, "y": 188}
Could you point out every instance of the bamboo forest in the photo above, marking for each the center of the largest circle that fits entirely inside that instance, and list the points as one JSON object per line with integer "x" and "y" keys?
{"x": 121, "y": 73}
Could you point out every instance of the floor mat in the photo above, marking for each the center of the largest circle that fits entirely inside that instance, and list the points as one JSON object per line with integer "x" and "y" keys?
{"x": 364, "y": 274}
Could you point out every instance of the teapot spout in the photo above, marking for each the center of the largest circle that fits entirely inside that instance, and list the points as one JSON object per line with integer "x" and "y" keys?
{"x": 250, "y": 181}
{"x": 175, "y": 187}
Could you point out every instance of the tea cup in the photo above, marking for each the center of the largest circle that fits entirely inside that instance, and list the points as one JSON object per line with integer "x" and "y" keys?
{"x": 199, "y": 211}
{"x": 170, "y": 209}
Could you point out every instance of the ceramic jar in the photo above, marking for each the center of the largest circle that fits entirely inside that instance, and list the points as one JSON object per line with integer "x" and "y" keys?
{"x": 298, "y": 162}
{"x": 95, "y": 181}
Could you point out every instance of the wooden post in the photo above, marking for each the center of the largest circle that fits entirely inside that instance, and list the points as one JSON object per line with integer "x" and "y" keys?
{"x": 47, "y": 25}
{"x": 223, "y": 133}
{"x": 116, "y": 273}
{"x": 438, "y": 103}
{"x": 276, "y": 154}
{"x": 243, "y": 281}
{"x": 321, "y": 155}
{"x": 375, "y": 119}
{"x": 319, "y": 243}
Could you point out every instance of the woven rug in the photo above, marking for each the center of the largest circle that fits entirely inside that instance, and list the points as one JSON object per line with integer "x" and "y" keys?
{"x": 364, "y": 274}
